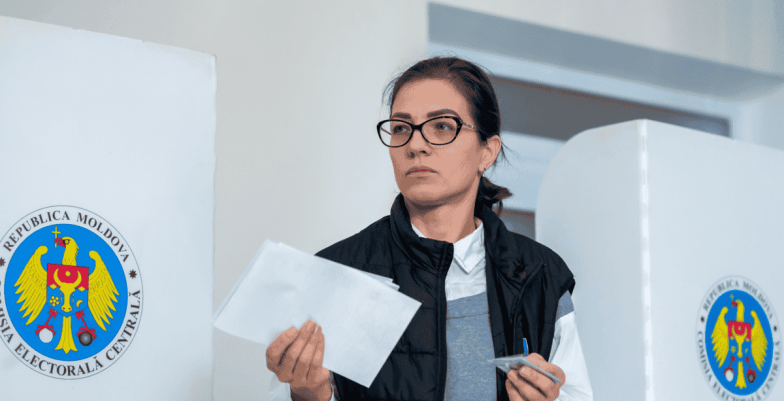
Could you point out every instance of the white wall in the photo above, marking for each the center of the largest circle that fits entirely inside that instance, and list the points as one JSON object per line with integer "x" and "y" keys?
{"x": 299, "y": 93}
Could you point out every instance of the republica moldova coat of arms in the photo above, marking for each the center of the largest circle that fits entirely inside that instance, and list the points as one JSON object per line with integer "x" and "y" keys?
{"x": 738, "y": 340}
{"x": 70, "y": 292}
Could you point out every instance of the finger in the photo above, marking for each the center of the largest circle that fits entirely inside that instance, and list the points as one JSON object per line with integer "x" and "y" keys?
{"x": 557, "y": 372}
{"x": 304, "y": 362}
{"x": 525, "y": 389}
{"x": 318, "y": 359}
{"x": 537, "y": 360}
{"x": 541, "y": 363}
{"x": 555, "y": 388}
{"x": 537, "y": 382}
{"x": 514, "y": 394}
{"x": 521, "y": 386}
{"x": 292, "y": 353}
{"x": 554, "y": 370}
{"x": 278, "y": 347}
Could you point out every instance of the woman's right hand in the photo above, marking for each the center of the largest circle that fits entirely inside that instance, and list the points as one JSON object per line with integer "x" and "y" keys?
{"x": 296, "y": 357}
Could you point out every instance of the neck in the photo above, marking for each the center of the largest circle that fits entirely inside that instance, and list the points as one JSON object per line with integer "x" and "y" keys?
{"x": 449, "y": 222}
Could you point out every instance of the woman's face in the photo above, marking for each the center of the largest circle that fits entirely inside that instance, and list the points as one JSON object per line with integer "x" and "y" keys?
{"x": 432, "y": 175}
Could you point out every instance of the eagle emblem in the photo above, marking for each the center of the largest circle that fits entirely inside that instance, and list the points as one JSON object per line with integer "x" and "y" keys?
{"x": 737, "y": 339}
{"x": 71, "y": 294}
{"x": 69, "y": 280}
{"x": 739, "y": 335}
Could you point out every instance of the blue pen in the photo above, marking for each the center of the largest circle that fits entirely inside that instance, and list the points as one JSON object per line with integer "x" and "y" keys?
{"x": 525, "y": 347}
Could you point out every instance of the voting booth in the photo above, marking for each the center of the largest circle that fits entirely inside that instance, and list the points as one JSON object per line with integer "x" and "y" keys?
{"x": 676, "y": 240}
{"x": 106, "y": 216}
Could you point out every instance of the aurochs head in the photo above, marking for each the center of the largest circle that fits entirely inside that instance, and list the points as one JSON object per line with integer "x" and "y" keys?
{"x": 68, "y": 289}
{"x": 67, "y": 279}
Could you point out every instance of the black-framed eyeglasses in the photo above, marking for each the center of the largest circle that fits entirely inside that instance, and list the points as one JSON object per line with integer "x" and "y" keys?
{"x": 440, "y": 130}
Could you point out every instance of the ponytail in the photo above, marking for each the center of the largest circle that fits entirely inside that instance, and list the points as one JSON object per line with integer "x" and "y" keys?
{"x": 489, "y": 194}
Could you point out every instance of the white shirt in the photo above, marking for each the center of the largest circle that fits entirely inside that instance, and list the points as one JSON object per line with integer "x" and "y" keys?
{"x": 466, "y": 277}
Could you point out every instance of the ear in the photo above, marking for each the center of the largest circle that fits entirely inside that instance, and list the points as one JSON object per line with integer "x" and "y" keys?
{"x": 490, "y": 151}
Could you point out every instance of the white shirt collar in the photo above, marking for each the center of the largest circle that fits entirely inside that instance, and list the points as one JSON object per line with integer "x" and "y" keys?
{"x": 468, "y": 251}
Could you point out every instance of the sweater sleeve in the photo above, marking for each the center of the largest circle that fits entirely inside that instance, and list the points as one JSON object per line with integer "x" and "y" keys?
{"x": 567, "y": 354}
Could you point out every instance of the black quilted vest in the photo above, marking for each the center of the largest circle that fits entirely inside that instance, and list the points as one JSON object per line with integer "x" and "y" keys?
{"x": 525, "y": 280}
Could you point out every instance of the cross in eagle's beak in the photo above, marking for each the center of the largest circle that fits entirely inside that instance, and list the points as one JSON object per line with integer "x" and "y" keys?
{"x": 59, "y": 241}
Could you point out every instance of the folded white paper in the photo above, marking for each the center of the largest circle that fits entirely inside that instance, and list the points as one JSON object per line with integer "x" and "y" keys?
{"x": 362, "y": 316}
{"x": 515, "y": 361}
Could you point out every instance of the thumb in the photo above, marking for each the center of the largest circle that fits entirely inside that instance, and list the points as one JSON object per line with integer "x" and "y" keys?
{"x": 323, "y": 375}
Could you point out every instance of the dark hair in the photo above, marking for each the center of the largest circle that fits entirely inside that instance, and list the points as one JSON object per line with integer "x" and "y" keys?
{"x": 472, "y": 82}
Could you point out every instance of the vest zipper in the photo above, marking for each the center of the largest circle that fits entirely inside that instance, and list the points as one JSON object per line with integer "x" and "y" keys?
{"x": 442, "y": 334}
{"x": 518, "y": 307}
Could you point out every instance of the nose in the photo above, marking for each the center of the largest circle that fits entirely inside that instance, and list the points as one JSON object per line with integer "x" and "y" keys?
{"x": 417, "y": 142}
{"x": 67, "y": 308}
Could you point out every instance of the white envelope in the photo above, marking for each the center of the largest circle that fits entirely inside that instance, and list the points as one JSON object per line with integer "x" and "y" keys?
{"x": 361, "y": 315}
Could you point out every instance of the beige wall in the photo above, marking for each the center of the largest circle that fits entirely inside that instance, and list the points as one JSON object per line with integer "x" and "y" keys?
{"x": 299, "y": 93}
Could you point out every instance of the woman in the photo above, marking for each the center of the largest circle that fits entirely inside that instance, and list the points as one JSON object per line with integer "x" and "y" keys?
{"x": 485, "y": 291}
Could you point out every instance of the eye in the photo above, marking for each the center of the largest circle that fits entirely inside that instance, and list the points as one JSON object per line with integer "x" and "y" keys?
{"x": 444, "y": 125}
{"x": 400, "y": 129}
{"x": 67, "y": 242}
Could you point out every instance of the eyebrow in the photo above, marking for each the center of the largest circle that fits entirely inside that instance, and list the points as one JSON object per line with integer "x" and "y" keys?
{"x": 429, "y": 115}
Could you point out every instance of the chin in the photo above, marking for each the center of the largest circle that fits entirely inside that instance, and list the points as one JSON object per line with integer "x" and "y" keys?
{"x": 424, "y": 196}
{"x": 429, "y": 195}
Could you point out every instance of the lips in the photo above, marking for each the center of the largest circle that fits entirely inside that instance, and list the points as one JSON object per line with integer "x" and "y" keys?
{"x": 420, "y": 169}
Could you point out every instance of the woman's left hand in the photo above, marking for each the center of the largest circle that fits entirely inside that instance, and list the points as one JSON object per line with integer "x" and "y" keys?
{"x": 526, "y": 384}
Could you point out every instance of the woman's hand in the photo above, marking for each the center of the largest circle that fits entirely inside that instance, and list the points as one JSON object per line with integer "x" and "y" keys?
{"x": 526, "y": 384}
{"x": 296, "y": 357}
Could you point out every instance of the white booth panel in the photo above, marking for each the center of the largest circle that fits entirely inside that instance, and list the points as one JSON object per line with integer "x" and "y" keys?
{"x": 107, "y": 201}
{"x": 651, "y": 218}
{"x": 588, "y": 211}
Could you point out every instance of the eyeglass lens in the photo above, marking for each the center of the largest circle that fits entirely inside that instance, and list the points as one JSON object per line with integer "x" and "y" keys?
{"x": 438, "y": 131}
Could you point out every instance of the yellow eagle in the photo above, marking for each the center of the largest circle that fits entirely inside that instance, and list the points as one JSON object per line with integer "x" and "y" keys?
{"x": 101, "y": 297}
{"x": 741, "y": 332}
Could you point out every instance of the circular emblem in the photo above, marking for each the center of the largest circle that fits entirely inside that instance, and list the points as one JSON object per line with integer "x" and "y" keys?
{"x": 70, "y": 292}
{"x": 737, "y": 340}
